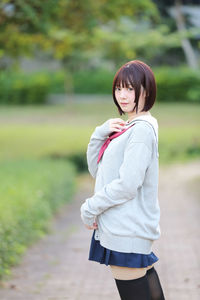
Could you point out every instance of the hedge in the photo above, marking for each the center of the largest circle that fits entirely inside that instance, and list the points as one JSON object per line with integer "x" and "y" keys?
{"x": 173, "y": 85}
{"x": 21, "y": 88}
{"x": 177, "y": 85}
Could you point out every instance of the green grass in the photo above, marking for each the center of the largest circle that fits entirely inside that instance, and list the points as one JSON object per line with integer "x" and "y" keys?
{"x": 93, "y": 112}
{"x": 18, "y": 141}
{"x": 31, "y": 192}
{"x": 40, "y": 131}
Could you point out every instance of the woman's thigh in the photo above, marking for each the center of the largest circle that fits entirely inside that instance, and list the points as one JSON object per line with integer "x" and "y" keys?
{"x": 126, "y": 273}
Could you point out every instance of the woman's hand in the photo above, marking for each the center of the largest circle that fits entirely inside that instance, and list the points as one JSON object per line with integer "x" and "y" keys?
{"x": 116, "y": 124}
{"x": 95, "y": 226}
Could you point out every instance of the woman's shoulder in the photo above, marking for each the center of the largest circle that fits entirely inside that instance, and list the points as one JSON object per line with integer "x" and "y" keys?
{"x": 142, "y": 131}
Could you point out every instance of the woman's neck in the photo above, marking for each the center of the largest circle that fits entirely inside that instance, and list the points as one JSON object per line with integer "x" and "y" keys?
{"x": 132, "y": 117}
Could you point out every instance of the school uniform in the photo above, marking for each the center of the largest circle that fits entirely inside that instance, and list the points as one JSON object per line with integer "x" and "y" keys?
{"x": 125, "y": 202}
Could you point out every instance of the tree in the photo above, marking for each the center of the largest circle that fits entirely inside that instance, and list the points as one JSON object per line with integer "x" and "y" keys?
{"x": 85, "y": 33}
{"x": 186, "y": 45}
{"x": 173, "y": 8}
{"x": 25, "y": 24}
{"x": 63, "y": 29}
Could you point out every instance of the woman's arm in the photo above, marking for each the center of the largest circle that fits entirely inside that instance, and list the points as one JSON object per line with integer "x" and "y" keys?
{"x": 98, "y": 138}
{"x": 137, "y": 158}
{"x": 96, "y": 141}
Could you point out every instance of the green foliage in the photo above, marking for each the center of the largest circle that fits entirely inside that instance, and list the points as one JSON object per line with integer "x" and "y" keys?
{"x": 27, "y": 23}
{"x": 106, "y": 31}
{"x": 173, "y": 84}
{"x": 93, "y": 81}
{"x": 90, "y": 14}
{"x": 29, "y": 15}
{"x": 177, "y": 84}
{"x": 128, "y": 40}
{"x": 31, "y": 191}
{"x": 67, "y": 29}
{"x": 88, "y": 33}
{"x": 78, "y": 158}
{"x": 21, "y": 88}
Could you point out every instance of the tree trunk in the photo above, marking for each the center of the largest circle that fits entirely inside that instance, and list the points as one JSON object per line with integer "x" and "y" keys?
{"x": 186, "y": 45}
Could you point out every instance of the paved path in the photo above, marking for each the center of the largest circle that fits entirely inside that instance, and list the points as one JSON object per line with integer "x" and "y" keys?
{"x": 56, "y": 268}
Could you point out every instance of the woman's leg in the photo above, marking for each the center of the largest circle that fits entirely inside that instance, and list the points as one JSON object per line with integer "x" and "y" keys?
{"x": 138, "y": 283}
{"x": 126, "y": 273}
{"x": 131, "y": 283}
{"x": 154, "y": 285}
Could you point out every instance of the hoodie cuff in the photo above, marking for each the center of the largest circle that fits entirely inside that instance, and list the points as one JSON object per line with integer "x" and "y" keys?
{"x": 88, "y": 220}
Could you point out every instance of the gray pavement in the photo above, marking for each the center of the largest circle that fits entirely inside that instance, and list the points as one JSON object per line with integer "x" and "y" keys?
{"x": 57, "y": 266}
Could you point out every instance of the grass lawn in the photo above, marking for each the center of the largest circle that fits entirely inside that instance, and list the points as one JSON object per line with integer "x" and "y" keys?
{"x": 36, "y": 131}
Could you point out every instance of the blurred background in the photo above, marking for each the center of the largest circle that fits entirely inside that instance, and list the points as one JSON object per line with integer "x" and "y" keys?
{"x": 57, "y": 63}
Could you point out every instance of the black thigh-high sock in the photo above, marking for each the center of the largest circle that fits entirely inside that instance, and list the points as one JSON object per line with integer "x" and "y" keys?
{"x": 133, "y": 289}
{"x": 154, "y": 285}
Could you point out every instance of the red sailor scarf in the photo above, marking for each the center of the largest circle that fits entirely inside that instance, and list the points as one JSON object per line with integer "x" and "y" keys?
{"x": 112, "y": 136}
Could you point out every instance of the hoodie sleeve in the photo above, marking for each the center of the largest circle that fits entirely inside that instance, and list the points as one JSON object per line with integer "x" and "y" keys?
{"x": 137, "y": 158}
{"x": 96, "y": 141}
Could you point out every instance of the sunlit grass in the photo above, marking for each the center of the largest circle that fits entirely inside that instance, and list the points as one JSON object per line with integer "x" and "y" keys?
{"x": 18, "y": 141}
{"x": 64, "y": 129}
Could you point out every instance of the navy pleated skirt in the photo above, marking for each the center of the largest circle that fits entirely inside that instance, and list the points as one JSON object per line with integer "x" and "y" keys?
{"x": 106, "y": 256}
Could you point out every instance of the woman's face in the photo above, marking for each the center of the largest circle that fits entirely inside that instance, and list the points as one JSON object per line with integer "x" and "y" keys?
{"x": 125, "y": 97}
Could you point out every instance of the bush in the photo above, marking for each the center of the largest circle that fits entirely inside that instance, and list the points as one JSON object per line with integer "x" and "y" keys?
{"x": 173, "y": 84}
{"x": 78, "y": 159}
{"x": 177, "y": 85}
{"x": 31, "y": 191}
{"x": 93, "y": 82}
{"x": 21, "y": 88}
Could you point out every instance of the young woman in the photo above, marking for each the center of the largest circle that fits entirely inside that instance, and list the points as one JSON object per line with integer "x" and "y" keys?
{"x": 124, "y": 211}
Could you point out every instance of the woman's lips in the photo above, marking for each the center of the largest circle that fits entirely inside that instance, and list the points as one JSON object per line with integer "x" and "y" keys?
{"x": 124, "y": 104}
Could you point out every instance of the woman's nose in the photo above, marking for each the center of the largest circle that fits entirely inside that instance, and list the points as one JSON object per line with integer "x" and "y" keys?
{"x": 123, "y": 93}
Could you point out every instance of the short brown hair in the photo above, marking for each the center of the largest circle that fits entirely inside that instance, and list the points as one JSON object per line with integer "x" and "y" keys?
{"x": 136, "y": 73}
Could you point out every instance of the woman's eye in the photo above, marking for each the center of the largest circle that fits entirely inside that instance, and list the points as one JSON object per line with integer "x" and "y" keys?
{"x": 129, "y": 89}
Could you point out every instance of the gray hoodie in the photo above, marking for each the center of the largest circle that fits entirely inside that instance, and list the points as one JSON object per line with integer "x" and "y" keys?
{"x": 125, "y": 201}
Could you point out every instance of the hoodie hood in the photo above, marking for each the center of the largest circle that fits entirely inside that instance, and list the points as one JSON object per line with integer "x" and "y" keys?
{"x": 148, "y": 118}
